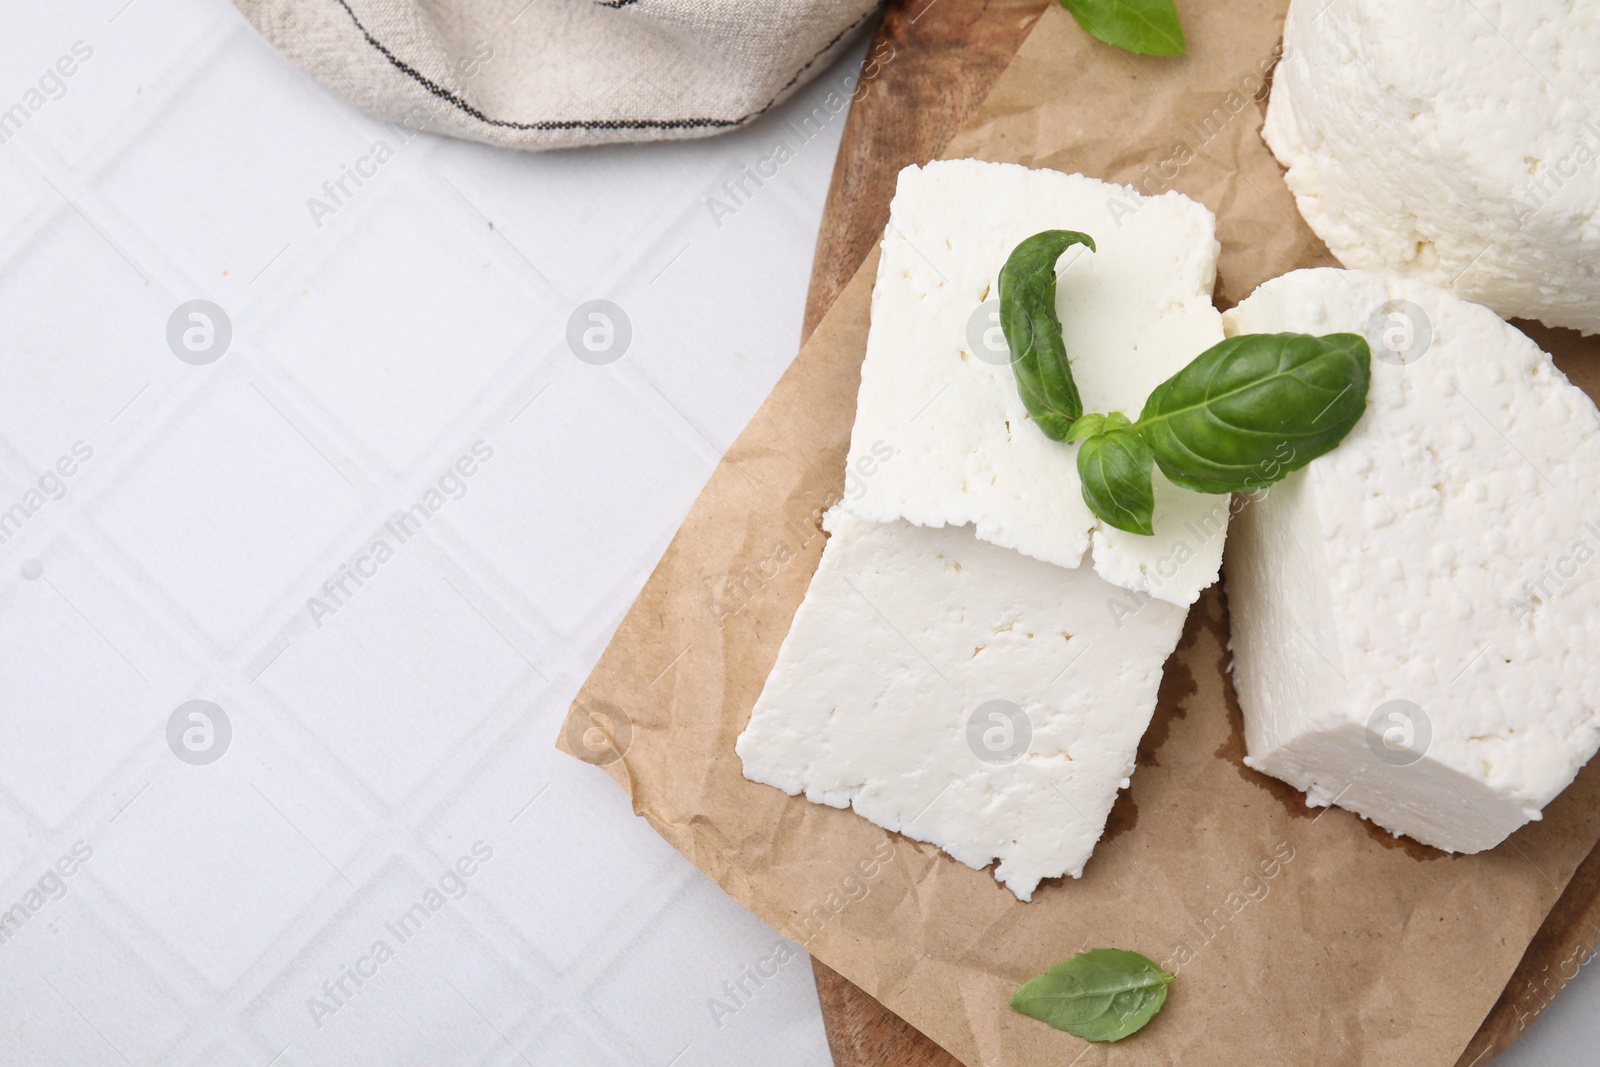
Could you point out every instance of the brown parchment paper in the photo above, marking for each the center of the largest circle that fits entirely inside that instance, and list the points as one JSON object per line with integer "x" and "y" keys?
{"x": 1300, "y": 936}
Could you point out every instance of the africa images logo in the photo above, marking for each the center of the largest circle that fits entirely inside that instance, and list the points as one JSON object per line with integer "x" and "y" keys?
{"x": 401, "y": 527}
{"x": 451, "y": 886}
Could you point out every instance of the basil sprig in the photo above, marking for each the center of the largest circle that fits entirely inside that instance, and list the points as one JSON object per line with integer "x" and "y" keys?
{"x": 1104, "y": 994}
{"x": 1149, "y": 27}
{"x": 1033, "y": 333}
{"x": 1242, "y": 415}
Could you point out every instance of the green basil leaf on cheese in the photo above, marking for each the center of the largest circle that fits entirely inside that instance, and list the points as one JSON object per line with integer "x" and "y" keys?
{"x": 1092, "y": 424}
{"x": 1033, "y": 332}
{"x": 1149, "y": 27}
{"x": 1114, "y": 467}
{"x": 1248, "y": 411}
{"x": 1104, "y": 994}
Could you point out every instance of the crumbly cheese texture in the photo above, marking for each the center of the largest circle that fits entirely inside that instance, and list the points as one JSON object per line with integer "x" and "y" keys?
{"x": 964, "y": 449}
{"x": 1432, "y": 586}
{"x": 1452, "y": 143}
{"x": 907, "y": 634}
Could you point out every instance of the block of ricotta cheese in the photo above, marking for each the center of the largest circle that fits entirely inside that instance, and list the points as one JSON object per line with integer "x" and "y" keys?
{"x": 1456, "y": 143}
{"x": 1415, "y": 615}
{"x": 937, "y": 390}
{"x": 962, "y": 693}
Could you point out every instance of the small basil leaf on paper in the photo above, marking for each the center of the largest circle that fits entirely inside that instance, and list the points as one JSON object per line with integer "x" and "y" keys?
{"x": 1104, "y": 994}
{"x": 1149, "y": 27}
{"x": 1033, "y": 332}
{"x": 1254, "y": 408}
{"x": 1114, "y": 468}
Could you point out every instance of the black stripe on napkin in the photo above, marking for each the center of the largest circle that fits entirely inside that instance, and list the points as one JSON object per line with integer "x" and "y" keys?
{"x": 593, "y": 124}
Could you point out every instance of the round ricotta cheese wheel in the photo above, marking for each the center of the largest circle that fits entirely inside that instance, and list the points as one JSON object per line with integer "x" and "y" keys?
{"x": 1454, "y": 142}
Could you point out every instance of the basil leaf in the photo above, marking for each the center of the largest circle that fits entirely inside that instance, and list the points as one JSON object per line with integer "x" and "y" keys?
{"x": 1254, "y": 408}
{"x": 1114, "y": 468}
{"x": 1033, "y": 332}
{"x": 1090, "y": 425}
{"x": 1104, "y": 994}
{"x": 1149, "y": 27}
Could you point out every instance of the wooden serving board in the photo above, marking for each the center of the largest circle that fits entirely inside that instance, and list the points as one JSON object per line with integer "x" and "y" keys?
{"x": 930, "y": 65}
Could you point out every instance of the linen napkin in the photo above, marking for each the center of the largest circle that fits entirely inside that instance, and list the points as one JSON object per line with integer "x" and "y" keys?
{"x": 537, "y": 74}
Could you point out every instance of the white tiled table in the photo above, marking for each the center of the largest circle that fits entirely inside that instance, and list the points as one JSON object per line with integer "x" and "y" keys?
{"x": 230, "y": 912}
{"x": 226, "y": 910}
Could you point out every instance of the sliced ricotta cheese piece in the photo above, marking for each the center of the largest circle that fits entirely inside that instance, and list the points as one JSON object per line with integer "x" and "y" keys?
{"x": 1451, "y": 142}
{"x": 962, "y": 694}
{"x": 1415, "y": 615}
{"x": 937, "y": 388}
